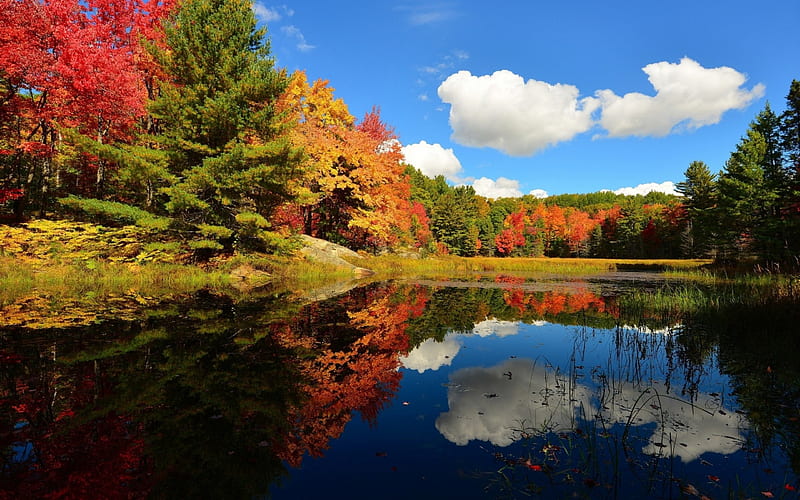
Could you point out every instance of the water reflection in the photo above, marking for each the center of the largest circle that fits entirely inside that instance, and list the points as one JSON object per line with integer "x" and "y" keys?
{"x": 495, "y": 403}
{"x": 224, "y": 398}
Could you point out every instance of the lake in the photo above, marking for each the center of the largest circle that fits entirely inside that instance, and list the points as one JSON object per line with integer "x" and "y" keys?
{"x": 505, "y": 388}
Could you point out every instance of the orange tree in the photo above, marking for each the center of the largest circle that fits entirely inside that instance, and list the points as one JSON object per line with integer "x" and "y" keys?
{"x": 354, "y": 190}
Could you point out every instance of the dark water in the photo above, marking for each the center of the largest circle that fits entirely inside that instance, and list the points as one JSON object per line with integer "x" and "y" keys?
{"x": 440, "y": 390}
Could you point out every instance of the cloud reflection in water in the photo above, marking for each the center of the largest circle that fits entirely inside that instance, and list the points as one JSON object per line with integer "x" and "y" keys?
{"x": 489, "y": 403}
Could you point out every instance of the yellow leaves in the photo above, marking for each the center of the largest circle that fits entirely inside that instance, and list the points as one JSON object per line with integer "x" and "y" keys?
{"x": 315, "y": 103}
{"x": 55, "y": 240}
{"x": 357, "y": 174}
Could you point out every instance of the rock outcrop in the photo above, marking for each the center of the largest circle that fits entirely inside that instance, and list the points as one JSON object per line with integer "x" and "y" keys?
{"x": 331, "y": 253}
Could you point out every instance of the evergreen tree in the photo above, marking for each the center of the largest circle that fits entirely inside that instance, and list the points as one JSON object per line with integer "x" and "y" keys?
{"x": 767, "y": 123}
{"x": 742, "y": 196}
{"x": 790, "y": 130}
{"x": 700, "y": 192}
{"x": 216, "y": 117}
{"x": 790, "y": 145}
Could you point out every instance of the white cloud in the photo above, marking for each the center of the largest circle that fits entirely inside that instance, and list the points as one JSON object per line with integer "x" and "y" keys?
{"x": 665, "y": 187}
{"x": 501, "y": 188}
{"x": 505, "y": 112}
{"x": 446, "y": 64}
{"x": 687, "y": 95}
{"x": 433, "y": 160}
{"x": 294, "y": 32}
{"x": 520, "y": 118}
{"x": 265, "y": 13}
{"x": 271, "y": 14}
{"x": 427, "y": 14}
{"x": 539, "y": 193}
{"x": 431, "y": 355}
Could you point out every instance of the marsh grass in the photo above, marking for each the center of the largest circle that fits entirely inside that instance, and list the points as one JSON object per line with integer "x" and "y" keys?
{"x": 391, "y": 266}
{"x": 293, "y": 273}
{"x": 98, "y": 278}
{"x": 703, "y": 293}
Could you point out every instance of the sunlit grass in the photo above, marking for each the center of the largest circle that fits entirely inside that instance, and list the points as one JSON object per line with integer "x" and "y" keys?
{"x": 295, "y": 273}
{"x": 98, "y": 279}
{"x": 391, "y": 267}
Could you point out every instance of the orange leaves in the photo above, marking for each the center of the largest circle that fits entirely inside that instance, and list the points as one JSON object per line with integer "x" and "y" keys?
{"x": 552, "y": 225}
{"x": 353, "y": 184}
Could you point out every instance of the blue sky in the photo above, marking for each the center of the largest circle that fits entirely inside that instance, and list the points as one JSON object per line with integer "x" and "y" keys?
{"x": 558, "y": 97}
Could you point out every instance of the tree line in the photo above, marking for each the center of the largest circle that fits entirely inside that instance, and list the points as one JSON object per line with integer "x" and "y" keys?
{"x": 173, "y": 115}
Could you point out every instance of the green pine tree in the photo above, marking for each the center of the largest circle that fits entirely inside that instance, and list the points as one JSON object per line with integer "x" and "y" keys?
{"x": 216, "y": 115}
{"x": 742, "y": 197}
{"x": 700, "y": 194}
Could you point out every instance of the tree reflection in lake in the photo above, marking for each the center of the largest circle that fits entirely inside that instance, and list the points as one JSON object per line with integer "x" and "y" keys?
{"x": 223, "y": 398}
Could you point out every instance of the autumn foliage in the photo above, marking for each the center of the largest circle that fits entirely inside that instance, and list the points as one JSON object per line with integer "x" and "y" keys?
{"x": 353, "y": 188}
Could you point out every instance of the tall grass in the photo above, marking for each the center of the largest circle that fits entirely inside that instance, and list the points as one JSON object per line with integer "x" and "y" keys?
{"x": 709, "y": 293}
{"x": 98, "y": 278}
{"x": 389, "y": 266}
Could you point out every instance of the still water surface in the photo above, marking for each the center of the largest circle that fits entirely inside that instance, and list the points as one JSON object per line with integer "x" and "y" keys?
{"x": 509, "y": 389}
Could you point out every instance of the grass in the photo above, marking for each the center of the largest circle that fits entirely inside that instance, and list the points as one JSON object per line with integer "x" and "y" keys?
{"x": 704, "y": 292}
{"x": 99, "y": 278}
{"x": 393, "y": 267}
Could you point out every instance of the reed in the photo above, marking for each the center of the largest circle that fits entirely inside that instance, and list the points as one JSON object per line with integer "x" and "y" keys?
{"x": 708, "y": 293}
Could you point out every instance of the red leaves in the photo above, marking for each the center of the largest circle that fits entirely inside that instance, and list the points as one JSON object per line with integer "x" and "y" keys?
{"x": 77, "y": 60}
{"x": 8, "y": 195}
{"x": 513, "y": 235}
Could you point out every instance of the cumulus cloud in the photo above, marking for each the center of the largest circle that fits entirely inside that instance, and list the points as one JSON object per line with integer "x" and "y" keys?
{"x": 294, "y": 32}
{"x": 500, "y": 188}
{"x": 518, "y": 117}
{"x": 687, "y": 95}
{"x": 433, "y": 160}
{"x": 664, "y": 187}
{"x": 539, "y": 193}
{"x": 505, "y": 112}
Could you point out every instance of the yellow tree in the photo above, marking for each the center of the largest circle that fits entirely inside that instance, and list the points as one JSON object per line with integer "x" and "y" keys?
{"x": 354, "y": 190}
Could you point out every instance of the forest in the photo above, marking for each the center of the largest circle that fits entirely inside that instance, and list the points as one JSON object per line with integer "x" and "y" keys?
{"x": 173, "y": 117}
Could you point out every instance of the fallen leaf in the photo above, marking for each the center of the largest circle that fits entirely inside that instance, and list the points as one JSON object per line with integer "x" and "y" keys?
{"x": 767, "y": 494}
{"x": 789, "y": 487}
{"x": 690, "y": 490}
{"x": 713, "y": 478}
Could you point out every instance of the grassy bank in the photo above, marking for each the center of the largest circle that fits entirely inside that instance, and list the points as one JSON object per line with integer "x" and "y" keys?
{"x": 451, "y": 267}
{"x": 98, "y": 278}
